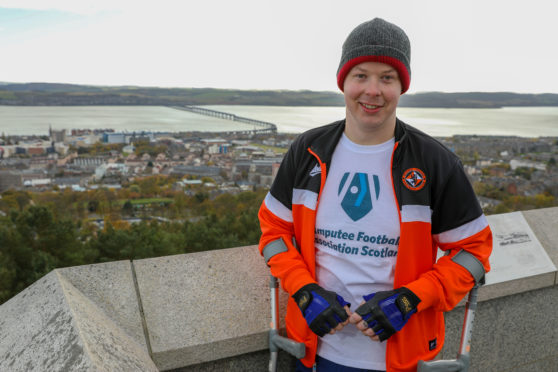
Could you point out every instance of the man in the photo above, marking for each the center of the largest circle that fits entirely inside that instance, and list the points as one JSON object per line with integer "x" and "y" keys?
{"x": 356, "y": 215}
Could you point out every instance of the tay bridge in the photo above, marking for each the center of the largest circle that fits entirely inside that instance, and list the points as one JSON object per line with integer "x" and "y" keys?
{"x": 260, "y": 127}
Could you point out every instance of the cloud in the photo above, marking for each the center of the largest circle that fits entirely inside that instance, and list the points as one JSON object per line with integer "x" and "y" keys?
{"x": 84, "y": 7}
{"x": 290, "y": 44}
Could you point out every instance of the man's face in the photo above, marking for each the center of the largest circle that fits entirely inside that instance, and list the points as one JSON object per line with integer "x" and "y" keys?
{"x": 372, "y": 91}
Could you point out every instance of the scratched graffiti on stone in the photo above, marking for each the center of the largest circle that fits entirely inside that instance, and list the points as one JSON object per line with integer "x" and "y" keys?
{"x": 516, "y": 237}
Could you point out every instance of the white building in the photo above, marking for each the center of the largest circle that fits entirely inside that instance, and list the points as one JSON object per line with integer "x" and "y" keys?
{"x": 102, "y": 169}
{"x": 514, "y": 164}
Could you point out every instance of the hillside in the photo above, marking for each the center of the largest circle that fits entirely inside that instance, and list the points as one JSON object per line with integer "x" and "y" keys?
{"x": 477, "y": 100}
{"x": 50, "y": 94}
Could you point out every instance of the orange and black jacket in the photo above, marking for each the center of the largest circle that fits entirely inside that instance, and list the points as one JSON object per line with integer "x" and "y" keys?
{"x": 437, "y": 209}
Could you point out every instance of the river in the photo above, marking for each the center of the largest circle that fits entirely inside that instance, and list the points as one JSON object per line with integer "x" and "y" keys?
{"x": 29, "y": 120}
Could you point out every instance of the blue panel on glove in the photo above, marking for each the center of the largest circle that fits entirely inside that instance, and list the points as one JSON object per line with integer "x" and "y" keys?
{"x": 383, "y": 310}
{"x": 393, "y": 313}
{"x": 342, "y": 301}
{"x": 317, "y": 305}
{"x": 371, "y": 324}
{"x": 322, "y": 309}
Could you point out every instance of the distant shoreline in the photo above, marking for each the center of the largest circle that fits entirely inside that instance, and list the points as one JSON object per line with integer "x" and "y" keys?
{"x": 52, "y": 94}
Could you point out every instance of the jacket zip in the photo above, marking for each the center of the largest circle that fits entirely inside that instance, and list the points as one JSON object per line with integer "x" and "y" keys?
{"x": 322, "y": 174}
{"x": 322, "y": 183}
{"x": 393, "y": 183}
{"x": 399, "y": 214}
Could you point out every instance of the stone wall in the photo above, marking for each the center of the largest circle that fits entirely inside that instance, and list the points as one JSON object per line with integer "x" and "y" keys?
{"x": 209, "y": 311}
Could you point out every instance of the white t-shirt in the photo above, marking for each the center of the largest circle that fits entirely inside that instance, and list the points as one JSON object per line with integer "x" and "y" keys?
{"x": 356, "y": 239}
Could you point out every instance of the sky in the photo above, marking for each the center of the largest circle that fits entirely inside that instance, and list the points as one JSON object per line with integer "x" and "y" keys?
{"x": 457, "y": 46}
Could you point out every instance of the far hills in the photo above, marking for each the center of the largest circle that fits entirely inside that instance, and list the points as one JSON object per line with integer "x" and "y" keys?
{"x": 51, "y": 94}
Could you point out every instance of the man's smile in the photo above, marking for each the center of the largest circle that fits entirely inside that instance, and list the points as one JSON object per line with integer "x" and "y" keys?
{"x": 369, "y": 107}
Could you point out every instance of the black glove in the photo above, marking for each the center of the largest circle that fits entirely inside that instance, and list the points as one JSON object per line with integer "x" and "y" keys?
{"x": 387, "y": 312}
{"x": 323, "y": 310}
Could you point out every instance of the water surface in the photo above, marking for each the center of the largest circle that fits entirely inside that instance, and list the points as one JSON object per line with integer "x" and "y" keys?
{"x": 518, "y": 121}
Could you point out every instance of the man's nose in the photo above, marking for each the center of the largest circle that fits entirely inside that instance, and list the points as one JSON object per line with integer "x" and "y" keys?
{"x": 372, "y": 87}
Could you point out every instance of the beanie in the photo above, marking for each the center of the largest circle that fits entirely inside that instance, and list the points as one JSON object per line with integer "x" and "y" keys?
{"x": 377, "y": 41}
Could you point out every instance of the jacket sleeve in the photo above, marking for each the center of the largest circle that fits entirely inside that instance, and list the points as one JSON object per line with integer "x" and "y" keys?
{"x": 459, "y": 228}
{"x": 277, "y": 243}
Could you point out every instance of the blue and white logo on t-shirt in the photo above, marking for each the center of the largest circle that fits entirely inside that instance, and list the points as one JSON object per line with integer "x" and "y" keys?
{"x": 357, "y": 201}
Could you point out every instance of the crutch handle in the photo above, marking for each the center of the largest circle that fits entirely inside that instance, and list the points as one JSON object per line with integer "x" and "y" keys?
{"x": 276, "y": 342}
{"x": 461, "y": 364}
{"x": 296, "y": 349}
{"x": 463, "y": 360}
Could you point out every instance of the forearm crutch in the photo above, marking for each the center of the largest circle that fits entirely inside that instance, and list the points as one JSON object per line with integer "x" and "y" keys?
{"x": 462, "y": 362}
{"x": 276, "y": 342}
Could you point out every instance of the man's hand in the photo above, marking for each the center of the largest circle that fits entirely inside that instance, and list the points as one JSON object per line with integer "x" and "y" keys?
{"x": 385, "y": 313}
{"x": 324, "y": 311}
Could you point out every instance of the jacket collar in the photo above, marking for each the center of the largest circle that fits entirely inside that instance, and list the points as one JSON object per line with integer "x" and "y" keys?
{"x": 324, "y": 145}
{"x": 400, "y": 131}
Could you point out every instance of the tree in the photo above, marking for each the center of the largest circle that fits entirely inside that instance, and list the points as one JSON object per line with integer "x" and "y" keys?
{"x": 149, "y": 186}
{"x": 93, "y": 206}
{"x": 41, "y": 237}
{"x": 201, "y": 196}
{"x": 128, "y": 208}
{"x": 13, "y": 199}
{"x": 524, "y": 172}
{"x": 8, "y": 243}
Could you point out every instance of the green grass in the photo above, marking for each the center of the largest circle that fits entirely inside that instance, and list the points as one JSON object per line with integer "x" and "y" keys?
{"x": 277, "y": 150}
{"x": 147, "y": 201}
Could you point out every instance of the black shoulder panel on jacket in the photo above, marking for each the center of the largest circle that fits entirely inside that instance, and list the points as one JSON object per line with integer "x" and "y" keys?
{"x": 430, "y": 174}
{"x": 299, "y": 168}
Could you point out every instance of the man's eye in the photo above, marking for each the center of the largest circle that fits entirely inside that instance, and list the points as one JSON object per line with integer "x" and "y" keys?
{"x": 360, "y": 76}
{"x": 390, "y": 77}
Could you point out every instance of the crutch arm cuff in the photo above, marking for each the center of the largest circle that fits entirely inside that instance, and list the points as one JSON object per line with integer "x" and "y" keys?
{"x": 274, "y": 247}
{"x": 471, "y": 264}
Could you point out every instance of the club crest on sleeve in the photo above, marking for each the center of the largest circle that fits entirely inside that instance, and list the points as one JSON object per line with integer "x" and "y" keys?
{"x": 414, "y": 179}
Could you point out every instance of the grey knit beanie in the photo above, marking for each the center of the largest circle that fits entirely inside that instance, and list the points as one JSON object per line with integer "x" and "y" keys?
{"x": 377, "y": 41}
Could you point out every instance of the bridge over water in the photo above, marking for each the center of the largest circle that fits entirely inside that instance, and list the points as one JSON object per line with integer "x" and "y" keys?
{"x": 264, "y": 126}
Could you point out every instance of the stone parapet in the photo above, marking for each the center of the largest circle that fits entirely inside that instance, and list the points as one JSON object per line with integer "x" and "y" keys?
{"x": 209, "y": 311}
{"x": 204, "y": 306}
{"x": 53, "y": 326}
